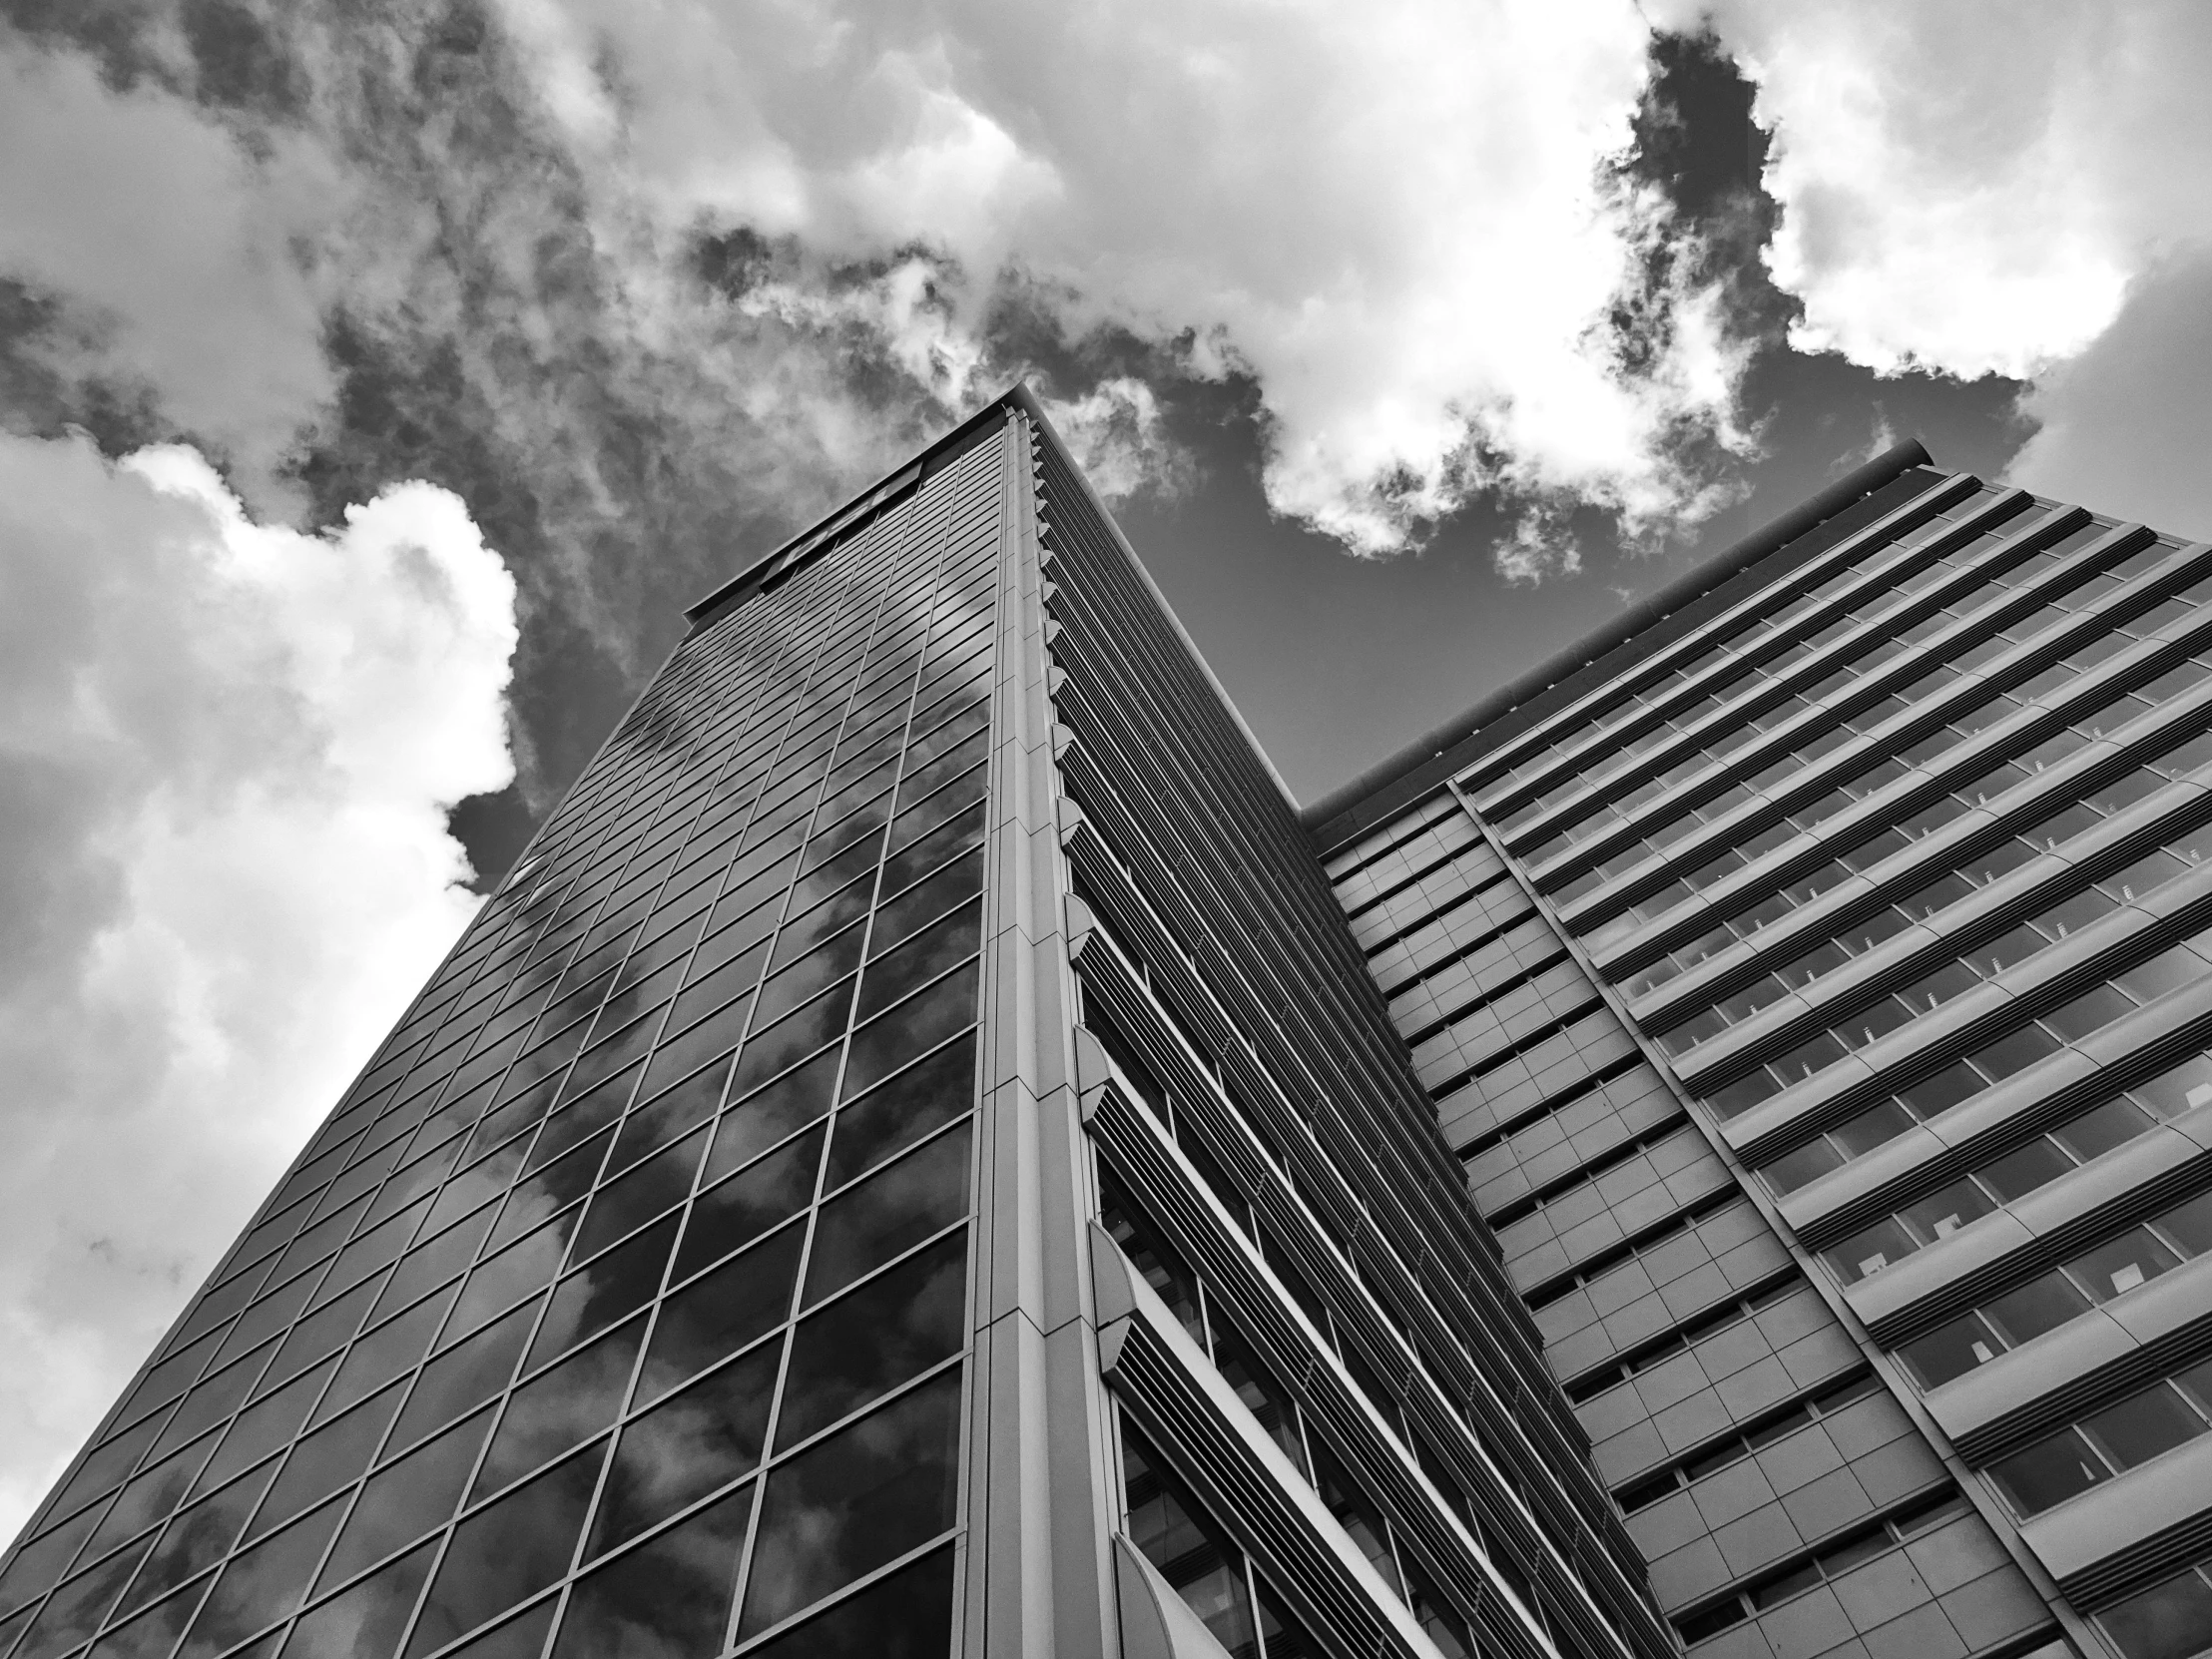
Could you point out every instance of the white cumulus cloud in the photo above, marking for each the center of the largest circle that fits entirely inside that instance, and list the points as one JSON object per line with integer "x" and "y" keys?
{"x": 1397, "y": 217}
{"x": 2000, "y": 187}
{"x": 226, "y": 755}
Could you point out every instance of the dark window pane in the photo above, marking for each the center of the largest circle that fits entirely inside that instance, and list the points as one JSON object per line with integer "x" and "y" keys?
{"x": 152, "y": 1494}
{"x": 264, "y": 1426}
{"x": 1807, "y": 1163}
{"x": 1868, "y": 1253}
{"x": 948, "y": 841}
{"x": 40, "y": 1562}
{"x": 465, "y": 1376}
{"x": 2101, "y": 1128}
{"x": 863, "y": 1497}
{"x": 1950, "y": 1351}
{"x": 889, "y": 1212}
{"x": 332, "y": 1457}
{"x": 766, "y": 1117}
{"x": 902, "y": 1110}
{"x": 389, "y": 1351}
{"x": 404, "y": 1501}
{"x": 435, "y": 1261}
{"x": 1172, "y": 1533}
{"x": 521, "y": 1637}
{"x": 74, "y": 1611}
{"x": 808, "y": 927}
{"x": 743, "y": 1299}
{"x": 766, "y": 1194}
{"x": 659, "y": 1184}
{"x": 1941, "y": 1214}
{"x": 365, "y": 1622}
{"x": 811, "y": 974}
{"x": 508, "y": 1551}
{"x": 558, "y": 1182}
{"x": 265, "y": 1317}
{"x": 2041, "y": 1305}
{"x": 669, "y": 1599}
{"x": 262, "y": 1584}
{"x": 2190, "y": 1223}
{"x": 2047, "y": 1474}
{"x": 2167, "y": 972}
{"x": 611, "y": 1287}
{"x": 1284, "y": 1637}
{"x": 687, "y": 1105}
{"x": 903, "y": 1615}
{"x": 2141, "y": 1426}
{"x": 153, "y": 1633}
{"x": 2168, "y": 1621}
{"x": 1943, "y": 1091}
{"x": 767, "y": 1052}
{"x": 561, "y": 1407}
{"x": 918, "y": 907}
{"x": 689, "y": 1445}
{"x": 895, "y": 1327}
{"x": 916, "y": 1026}
{"x": 944, "y": 942}
{"x": 199, "y": 1537}
{"x": 1873, "y": 1127}
{"x": 2013, "y": 1051}
{"x": 2116, "y": 1268}
{"x": 522, "y": 1269}
{"x": 2021, "y": 1172}
{"x": 2091, "y": 1011}
{"x": 322, "y": 1331}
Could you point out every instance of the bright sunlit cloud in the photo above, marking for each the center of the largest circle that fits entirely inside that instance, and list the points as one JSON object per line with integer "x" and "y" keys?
{"x": 226, "y": 756}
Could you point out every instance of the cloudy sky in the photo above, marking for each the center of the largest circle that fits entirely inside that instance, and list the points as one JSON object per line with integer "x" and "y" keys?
{"x": 379, "y": 377}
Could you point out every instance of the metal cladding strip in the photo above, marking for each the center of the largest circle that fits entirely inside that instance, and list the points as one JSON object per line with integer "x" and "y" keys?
{"x": 2138, "y": 1204}
{"x": 1379, "y": 1208}
{"x": 1421, "y": 1180}
{"x": 2017, "y": 663}
{"x": 1493, "y": 798}
{"x": 1985, "y": 1444}
{"x": 1394, "y": 784}
{"x": 1919, "y": 1049}
{"x": 1107, "y": 976}
{"x": 1834, "y": 657}
{"x": 1325, "y": 1185}
{"x": 2046, "y": 979}
{"x": 1884, "y": 807}
{"x": 2143, "y": 737}
{"x": 1989, "y": 912}
{"x": 1143, "y": 1158}
{"x": 1688, "y": 746}
{"x": 2127, "y": 1052}
{"x": 1244, "y": 1494}
{"x": 2140, "y": 1564}
{"x": 1426, "y": 1167}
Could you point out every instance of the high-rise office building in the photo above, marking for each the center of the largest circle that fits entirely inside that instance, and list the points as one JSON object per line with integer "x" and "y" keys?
{"x": 911, "y": 1163}
{"x": 1814, "y": 971}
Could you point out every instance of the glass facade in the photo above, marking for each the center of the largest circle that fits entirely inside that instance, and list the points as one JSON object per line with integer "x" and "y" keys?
{"x": 622, "y": 1303}
{"x": 911, "y": 1163}
{"x": 1813, "y": 977}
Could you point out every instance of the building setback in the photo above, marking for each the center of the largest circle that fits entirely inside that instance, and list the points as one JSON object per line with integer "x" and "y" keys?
{"x": 911, "y": 1163}
{"x": 1814, "y": 973}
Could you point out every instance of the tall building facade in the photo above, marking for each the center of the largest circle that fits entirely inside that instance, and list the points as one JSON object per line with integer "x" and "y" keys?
{"x": 1814, "y": 973}
{"x": 911, "y": 1163}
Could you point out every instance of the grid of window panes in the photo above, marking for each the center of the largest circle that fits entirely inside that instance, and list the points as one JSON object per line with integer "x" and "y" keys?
{"x": 2108, "y": 1441}
{"x": 1852, "y": 782}
{"x": 2112, "y": 1266}
{"x": 623, "y": 1302}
